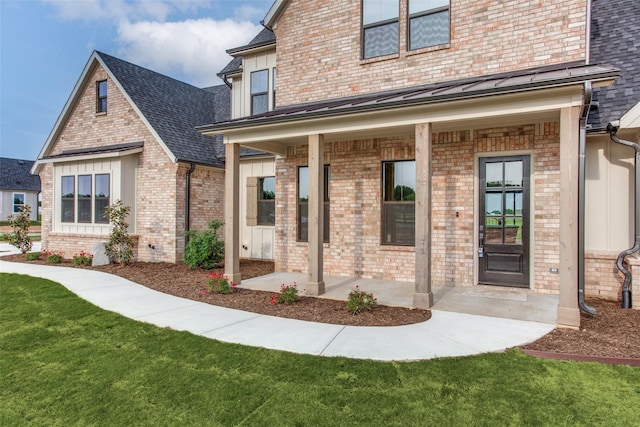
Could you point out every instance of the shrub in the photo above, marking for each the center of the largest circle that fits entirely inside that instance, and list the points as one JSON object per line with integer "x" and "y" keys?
{"x": 20, "y": 222}
{"x": 120, "y": 245}
{"x": 204, "y": 249}
{"x": 53, "y": 257}
{"x": 219, "y": 284}
{"x": 83, "y": 258}
{"x": 287, "y": 295}
{"x": 360, "y": 300}
{"x": 33, "y": 256}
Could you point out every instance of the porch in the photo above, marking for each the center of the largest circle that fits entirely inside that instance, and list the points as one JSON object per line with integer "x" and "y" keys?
{"x": 489, "y": 301}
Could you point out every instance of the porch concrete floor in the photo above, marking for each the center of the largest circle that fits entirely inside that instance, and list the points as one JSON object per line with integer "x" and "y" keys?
{"x": 510, "y": 303}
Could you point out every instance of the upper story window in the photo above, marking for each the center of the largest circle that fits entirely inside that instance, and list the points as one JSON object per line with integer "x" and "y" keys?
{"x": 101, "y": 96}
{"x": 18, "y": 202}
{"x": 380, "y": 27}
{"x": 399, "y": 202}
{"x": 267, "y": 201}
{"x": 428, "y": 23}
{"x": 273, "y": 82}
{"x": 259, "y": 92}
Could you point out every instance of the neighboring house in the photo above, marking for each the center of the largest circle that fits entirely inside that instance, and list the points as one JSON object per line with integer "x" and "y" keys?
{"x": 431, "y": 142}
{"x": 18, "y": 187}
{"x": 129, "y": 133}
{"x": 615, "y": 40}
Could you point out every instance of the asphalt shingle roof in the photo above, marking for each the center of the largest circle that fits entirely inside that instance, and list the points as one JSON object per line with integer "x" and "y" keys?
{"x": 615, "y": 40}
{"x": 264, "y": 37}
{"x": 174, "y": 109}
{"x": 15, "y": 175}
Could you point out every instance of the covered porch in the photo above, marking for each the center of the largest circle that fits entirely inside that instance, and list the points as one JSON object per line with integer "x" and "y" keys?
{"x": 440, "y": 269}
{"x": 479, "y": 300}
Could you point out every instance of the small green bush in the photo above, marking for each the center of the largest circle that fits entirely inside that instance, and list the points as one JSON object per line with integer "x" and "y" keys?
{"x": 53, "y": 257}
{"x": 360, "y": 300}
{"x": 83, "y": 258}
{"x": 219, "y": 284}
{"x": 288, "y": 295}
{"x": 20, "y": 222}
{"x": 33, "y": 256}
{"x": 204, "y": 248}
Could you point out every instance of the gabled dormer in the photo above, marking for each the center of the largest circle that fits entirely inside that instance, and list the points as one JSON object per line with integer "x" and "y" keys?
{"x": 252, "y": 76}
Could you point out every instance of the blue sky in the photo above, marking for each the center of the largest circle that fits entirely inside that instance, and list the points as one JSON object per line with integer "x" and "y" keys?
{"x": 44, "y": 46}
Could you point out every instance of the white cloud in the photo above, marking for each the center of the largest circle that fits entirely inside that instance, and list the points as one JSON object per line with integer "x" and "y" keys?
{"x": 194, "y": 48}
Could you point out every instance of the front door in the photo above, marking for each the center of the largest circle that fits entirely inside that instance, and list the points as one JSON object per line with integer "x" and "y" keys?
{"x": 503, "y": 234}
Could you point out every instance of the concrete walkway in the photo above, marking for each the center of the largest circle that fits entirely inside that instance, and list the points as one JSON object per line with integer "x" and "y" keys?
{"x": 446, "y": 334}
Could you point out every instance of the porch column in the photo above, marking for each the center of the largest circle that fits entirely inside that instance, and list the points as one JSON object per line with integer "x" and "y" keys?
{"x": 568, "y": 312}
{"x": 232, "y": 213}
{"x": 316, "y": 215}
{"x": 423, "y": 297}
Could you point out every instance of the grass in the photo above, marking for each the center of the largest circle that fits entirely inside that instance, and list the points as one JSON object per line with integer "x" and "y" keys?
{"x": 65, "y": 362}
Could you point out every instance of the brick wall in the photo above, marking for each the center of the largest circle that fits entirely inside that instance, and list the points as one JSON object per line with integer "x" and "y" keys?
{"x": 319, "y": 53}
{"x": 356, "y": 174}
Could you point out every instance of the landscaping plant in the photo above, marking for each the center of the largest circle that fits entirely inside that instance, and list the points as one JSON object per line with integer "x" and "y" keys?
{"x": 120, "y": 245}
{"x": 204, "y": 249}
{"x": 287, "y": 295}
{"x": 33, "y": 256}
{"x": 83, "y": 258}
{"x": 52, "y": 256}
{"x": 219, "y": 284}
{"x": 20, "y": 222}
{"x": 360, "y": 300}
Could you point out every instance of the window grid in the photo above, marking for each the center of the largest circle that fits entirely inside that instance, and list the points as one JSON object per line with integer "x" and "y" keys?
{"x": 398, "y": 203}
{"x": 259, "y": 92}
{"x": 84, "y": 197}
{"x": 18, "y": 202}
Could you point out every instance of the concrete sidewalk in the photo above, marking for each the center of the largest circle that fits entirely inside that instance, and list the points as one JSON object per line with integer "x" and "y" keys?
{"x": 446, "y": 334}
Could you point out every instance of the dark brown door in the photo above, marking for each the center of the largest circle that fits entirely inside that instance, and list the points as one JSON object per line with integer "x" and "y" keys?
{"x": 503, "y": 238}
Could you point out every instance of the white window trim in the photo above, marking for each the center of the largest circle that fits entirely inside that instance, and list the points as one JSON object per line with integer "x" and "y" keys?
{"x": 13, "y": 198}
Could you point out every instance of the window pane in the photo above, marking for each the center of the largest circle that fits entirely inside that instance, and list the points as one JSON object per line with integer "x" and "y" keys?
{"x": 400, "y": 181}
{"x": 67, "y": 207}
{"x": 493, "y": 174}
{"x": 101, "y": 198}
{"x": 303, "y": 222}
{"x": 513, "y": 174}
{"x": 493, "y": 203}
{"x": 259, "y": 104}
{"x": 84, "y": 198}
{"x": 416, "y": 6}
{"x": 259, "y": 81}
{"x": 429, "y": 30}
{"x": 399, "y": 223}
{"x": 102, "y": 89}
{"x": 381, "y": 40}
{"x": 379, "y": 10}
{"x": 513, "y": 203}
{"x": 266, "y": 212}
{"x": 268, "y": 188}
{"x": 303, "y": 184}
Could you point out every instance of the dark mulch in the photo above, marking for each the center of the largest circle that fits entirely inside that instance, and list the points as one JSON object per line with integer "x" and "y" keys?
{"x": 612, "y": 332}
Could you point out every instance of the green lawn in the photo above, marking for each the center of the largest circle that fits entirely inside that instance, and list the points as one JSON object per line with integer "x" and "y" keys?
{"x": 65, "y": 362}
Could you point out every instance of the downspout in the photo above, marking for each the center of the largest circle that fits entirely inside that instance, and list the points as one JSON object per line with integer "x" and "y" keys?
{"x": 187, "y": 203}
{"x": 581, "y": 197}
{"x": 612, "y": 128}
{"x": 224, "y": 79}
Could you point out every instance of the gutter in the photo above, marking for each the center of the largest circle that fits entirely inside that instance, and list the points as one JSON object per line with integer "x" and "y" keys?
{"x": 187, "y": 204}
{"x": 582, "y": 149}
{"x": 612, "y": 128}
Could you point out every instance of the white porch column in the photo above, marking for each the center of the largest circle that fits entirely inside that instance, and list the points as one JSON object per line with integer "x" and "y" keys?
{"x": 568, "y": 312}
{"x": 423, "y": 297}
{"x": 316, "y": 215}
{"x": 232, "y": 213}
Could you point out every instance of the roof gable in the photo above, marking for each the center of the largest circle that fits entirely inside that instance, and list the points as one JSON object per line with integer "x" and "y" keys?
{"x": 16, "y": 175}
{"x": 169, "y": 108}
{"x": 275, "y": 12}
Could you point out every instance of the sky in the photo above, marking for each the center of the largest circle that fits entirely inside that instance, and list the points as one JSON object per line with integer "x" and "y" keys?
{"x": 45, "y": 45}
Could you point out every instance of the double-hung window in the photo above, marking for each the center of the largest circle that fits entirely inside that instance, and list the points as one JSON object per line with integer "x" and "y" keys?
{"x": 259, "y": 92}
{"x": 399, "y": 202}
{"x": 101, "y": 96}
{"x": 380, "y": 27}
{"x": 84, "y": 202}
{"x": 18, "y": 202}
{"x": 428, "y": 23}
{"x": 303, "y": 203}
{"x": 267, "y": 201}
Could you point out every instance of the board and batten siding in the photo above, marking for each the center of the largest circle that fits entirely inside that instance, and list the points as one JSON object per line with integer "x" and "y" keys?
{"x": 258, "y": 239}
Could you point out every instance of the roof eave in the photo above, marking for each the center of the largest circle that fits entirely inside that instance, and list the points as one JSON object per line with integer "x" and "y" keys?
{"x": 258, "y": 47}
{"x": 275, "y": 12}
